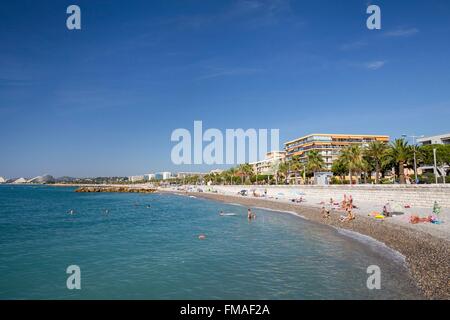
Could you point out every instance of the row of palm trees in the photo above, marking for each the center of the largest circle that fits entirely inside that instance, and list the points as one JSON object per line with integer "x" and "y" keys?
{"x": 354, "y": 161}
{"x": 376, "y": 157}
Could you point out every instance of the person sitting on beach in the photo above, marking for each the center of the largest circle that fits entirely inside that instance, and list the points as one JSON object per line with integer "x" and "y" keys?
{"x": 325, "y": 213}
{"x": 350, "y": 202}
{"x": 344, "y": 202}
{"x": 386, "y": 211}
{"x": 350, "y": 216}
{"x": 331, "y": 201}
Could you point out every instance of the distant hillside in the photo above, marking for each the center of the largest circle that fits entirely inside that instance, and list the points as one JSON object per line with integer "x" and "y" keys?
{"x": 65, "y": 179}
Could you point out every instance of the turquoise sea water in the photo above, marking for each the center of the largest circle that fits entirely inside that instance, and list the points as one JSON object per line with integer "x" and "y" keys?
{"x": 147, "y": 247}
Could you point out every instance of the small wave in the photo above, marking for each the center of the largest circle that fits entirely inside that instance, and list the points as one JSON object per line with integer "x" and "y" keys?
{"x": 284, "y": 211}
{"x": 235, "y": 204}
{"x": 374, "y": 244}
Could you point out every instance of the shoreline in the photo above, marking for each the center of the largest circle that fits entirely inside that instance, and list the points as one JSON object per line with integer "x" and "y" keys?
{"x": 427, "y": 258}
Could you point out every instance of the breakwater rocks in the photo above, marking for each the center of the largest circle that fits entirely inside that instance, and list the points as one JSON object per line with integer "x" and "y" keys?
{"x": 122, "y": 189}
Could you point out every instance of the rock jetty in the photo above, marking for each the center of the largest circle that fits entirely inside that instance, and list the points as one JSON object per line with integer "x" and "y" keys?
{"x": 122, "y": 189}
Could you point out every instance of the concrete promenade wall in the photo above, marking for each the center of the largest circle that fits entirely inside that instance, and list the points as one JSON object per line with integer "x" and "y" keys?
{"x": 414, "y": 195}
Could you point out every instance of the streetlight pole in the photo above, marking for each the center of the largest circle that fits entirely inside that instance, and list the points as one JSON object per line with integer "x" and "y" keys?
{"x": 435, "y": 166}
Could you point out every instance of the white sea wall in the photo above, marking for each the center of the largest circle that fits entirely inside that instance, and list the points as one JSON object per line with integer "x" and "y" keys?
{"x": 414, "y": 195}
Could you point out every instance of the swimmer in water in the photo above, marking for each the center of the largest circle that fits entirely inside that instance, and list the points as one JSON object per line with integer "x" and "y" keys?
{"x": 250, "y": 214}
{"x": 71, "y": 211}
{"x": 221, "y": 213}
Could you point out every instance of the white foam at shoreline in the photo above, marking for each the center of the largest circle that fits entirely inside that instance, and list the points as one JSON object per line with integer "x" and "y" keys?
{"x": 374, "y": 244}
{"x": 283, "y": 211}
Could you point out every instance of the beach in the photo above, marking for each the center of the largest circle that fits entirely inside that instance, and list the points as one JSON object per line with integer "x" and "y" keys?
{"x": 426, "y": 251}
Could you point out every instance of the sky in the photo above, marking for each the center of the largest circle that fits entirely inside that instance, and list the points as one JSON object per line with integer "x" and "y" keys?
{"x": 104, "y": 100}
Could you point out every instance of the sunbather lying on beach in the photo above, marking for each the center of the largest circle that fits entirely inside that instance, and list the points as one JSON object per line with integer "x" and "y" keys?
{"x": 299, "y": 200}
{"x": 417, "y": 219}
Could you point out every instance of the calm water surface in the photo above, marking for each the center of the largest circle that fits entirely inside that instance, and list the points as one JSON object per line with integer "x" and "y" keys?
{"x": 147, "y": 247}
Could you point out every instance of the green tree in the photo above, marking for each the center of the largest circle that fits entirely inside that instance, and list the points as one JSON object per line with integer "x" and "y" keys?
{"x": 425, "y": 154}
{"x": 283, "y": 170}
{"x": 339, "y": 168}
{"x": 295, "y": 166}
{"x": 245, "y": 171}
{"x": 375, "y": 153}
{"x": 314, "y": 162}
{"x": 400, "y": 153}
{"x": 352, "y": 157}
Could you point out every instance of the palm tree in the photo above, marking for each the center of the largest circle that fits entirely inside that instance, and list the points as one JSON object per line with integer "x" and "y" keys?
{"x": 245, "y": 170}
{"x": 315, "y": 161}
{"x": 400, "y": 153}
{"x": 275, "y": 168}
{"x": 295, "y": 166}
{"x": 230, "y": 173}
{"x": 283, "y": 170}
{"x": 376, "y": 153}
{"x": 352, "y": 157}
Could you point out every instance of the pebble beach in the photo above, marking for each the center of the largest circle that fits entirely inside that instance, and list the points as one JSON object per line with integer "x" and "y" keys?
{"x": 426, "y": 253}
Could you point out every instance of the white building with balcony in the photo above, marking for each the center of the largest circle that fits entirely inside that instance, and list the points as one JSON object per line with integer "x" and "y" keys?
{"x": 268, "y": 165}
{"x": 440, "y": 139}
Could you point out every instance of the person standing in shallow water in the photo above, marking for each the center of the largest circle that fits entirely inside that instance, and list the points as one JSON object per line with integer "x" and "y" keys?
{"x": 250, "y": 214}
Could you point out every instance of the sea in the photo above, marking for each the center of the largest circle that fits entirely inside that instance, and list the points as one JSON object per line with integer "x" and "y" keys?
{"x": 147, "y": 246}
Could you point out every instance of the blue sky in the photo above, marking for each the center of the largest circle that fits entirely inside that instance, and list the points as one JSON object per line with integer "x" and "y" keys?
{"x": 104, "y": 100}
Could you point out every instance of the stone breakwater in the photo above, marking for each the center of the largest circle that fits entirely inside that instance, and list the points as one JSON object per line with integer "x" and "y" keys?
{"x": 123, "y": 189}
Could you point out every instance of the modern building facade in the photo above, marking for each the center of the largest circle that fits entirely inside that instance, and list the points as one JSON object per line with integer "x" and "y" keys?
{"x": 20, "y": 181}
{"x": 165, "y": 175}
{"x": 440, "y": 139}
{"x": 267, "y": 166}
{"x": 136, "y": 178}
{"x": 182, "y": 175}
{"x": 328, "y": 145}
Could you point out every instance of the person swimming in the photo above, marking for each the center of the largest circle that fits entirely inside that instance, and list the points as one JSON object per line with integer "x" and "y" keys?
{"x": 71, "y": 211}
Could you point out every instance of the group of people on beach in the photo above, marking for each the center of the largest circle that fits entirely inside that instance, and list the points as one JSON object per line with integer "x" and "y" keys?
{"x": 346, "y": 205}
